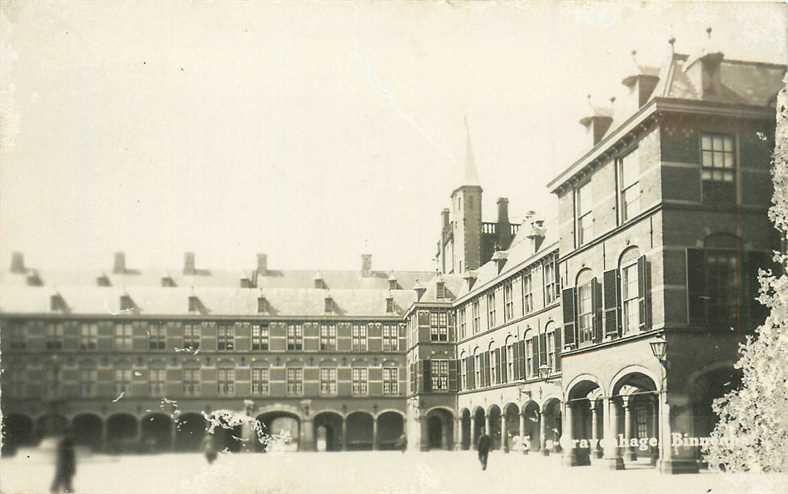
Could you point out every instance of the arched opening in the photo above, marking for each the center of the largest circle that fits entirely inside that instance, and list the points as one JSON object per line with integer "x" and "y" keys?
{"x": 553, "y": 427}
{"x": 189, "y": 432}
{"x": 465, "y": 423}
{"x": 635, "y": 399}
{"x": 122, "y": 433}
{"x": 440, "y": 429}
{"x": 328, "y": 431}
{"x": 359, "y": 431}
{"x": 532, "y": 433}
{"x": 390, "y": 428}
{"x": 495, "y": 426}
{"x": 583, "y": 421}
{"x": 478, "y": 425}
{"x": 17, "y": 432}
{"x": 156, "y": 433}
{"x": 282, "y": 431}
{"x": 51, "y": 425}
{"x": 512, "y": 420}
{"x": 87, "y": 430}
{"x": 706, "y": 388}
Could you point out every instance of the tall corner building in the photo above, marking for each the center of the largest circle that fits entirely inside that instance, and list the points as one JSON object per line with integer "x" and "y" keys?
{"x": 601, "y": 335}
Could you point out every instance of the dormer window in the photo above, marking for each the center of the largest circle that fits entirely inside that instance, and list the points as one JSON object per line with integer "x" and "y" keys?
{"x": 194, "y": 303}
{"x": 246, "y": 283}
{"x": 57, "y": 303}
{"x": 393, "y": 284}
{"x": 319, "y": 281}
{"x": 440, "y": 289}
{"x": 262, "y": 305}
{"x": 328, "y": 305}
{"x": 126, "y": 303}
{"x": 389, "y": 305}
{"x": 34, "y": 279}
{"x": 103, "y": 280}
{"x": 167, "y": 281}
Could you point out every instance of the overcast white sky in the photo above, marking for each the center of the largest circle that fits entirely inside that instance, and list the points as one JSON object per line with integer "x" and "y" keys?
{"x": 312, "y": 131}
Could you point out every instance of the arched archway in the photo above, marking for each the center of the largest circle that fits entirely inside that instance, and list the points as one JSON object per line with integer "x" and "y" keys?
{"x": 88, "y": 429}
{"x": 532, "y": 432}
{"x": 511, "y": 417}
{"x": 51, "y": 425}
{"x": 282, "y": 430}
{"x": 359, "y": 431}
{"x": 17, "y": 431}
{"x": 636, "y": 412}
{"x": 440, "y": 429}
{"x": 495, "y": 426}
{"x": 122, "y": 430}
{"x": 189, "y": 432}
{"x": 580, "y": 419}
{"x": 328, "y": 431}
{"x": 156, "y": 432}
{"x": 553, "y": 426}
{"x": 465, "y": 423}
{"x": 704, "y": 388}
{"x": 479, "y": 425}
{"x": 390, "y": 427}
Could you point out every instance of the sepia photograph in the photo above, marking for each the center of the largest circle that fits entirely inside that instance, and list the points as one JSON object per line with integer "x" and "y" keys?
{"x": 400, "y": 247}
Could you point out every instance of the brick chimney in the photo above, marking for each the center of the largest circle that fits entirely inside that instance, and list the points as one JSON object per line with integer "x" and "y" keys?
{"x": 503, "y": 231}
{"x": 189, "y": 264}
{"x": 703, "y": 70}
{"x": 366, "y": 265}
{"x": 119, "y": 265}
{"x": 536, "y": 234}
{"x": 262, "y": 263}
{"x": 18, "y": 263}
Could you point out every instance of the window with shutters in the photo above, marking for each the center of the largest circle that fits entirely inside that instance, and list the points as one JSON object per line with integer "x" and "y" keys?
{"x": 477, "y": 361}
{"x": 463, "y": 371}
{"x": 157, "y": 379}
{"x": 475, "y": 316}
{"x": 439, "y": 329}
{"x": 359, "y": 337}
{"x": 550, "y": 271}
{"x": 461, "y": 321}
{"x": 54, "y": 340}
{"x": 225, "y": 382}
{"x": 295, "y": 337}
{"x": 260, "y": 336}
{"x": 508, "y": 303}
{"x": 225, "y": 338}
{"x": 328, "y": 381}
{"x": 723, "y": 287}
{"x": 584, "y": 219}
{"x": 261, "y": 379}
{"x": 530, "y": 357}
{"x": 628, "y": 185}
{"x": 328, "y": 337}
{"x": 295, "y": 381}
{"x": 718, "y": 168}
{"x": 122, "y": 381}
{"x": 493, "y": 363}
{"x": 440, "y": 375}
{"x": 359, "y": 385}
{"x": 390, "y": 381}
{"x": 390, "y": 338}
{"x": 123, "y": 332}
{"x": 510, "y": 359}
{"x": 551, "y": 355}
{"x": 157, "y": 336}
{"x": 191, "y": 382}
{"x": 88, "y": 336}
{"x": 585, "y": 308}
{"x": 528, "y": 292}
{"x": 630, "y": 297}
{"x": 191, "y": 336}
{"x": 491, "y": 309}
{"x": 87, "y": 383}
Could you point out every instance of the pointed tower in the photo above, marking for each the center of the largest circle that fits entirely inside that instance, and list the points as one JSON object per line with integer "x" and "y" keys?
{"x": 466, "y": 207}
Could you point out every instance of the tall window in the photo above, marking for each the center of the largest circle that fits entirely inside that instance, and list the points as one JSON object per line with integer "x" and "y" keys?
{"x": 359, "y": 337}
{"x": 629, "y": 192}
{"x": 475, "y": 316}
{"x": 550, "y": 286}
{"x": 16, "y": 337}
{"x": 225, "y": 340}
{"x": 191, "y": 382}
{"x": 123, "y": 334}
{"x": 54, "y": 336}
{"x": 723, "y": 287}
{"x": 260, "y": 381}
{"x": 156, "y": 337}
{"x": 328, "y": 381}
{"x": 390, "y": 338}
{"x": 510, "y": 360}
{"x": 493, "y": 365}
{"x": 439, "y": 329}
{"x": 122, "y": 381}
{"x": 629, "y": 297}
{"x": 528, "y": 292}
{"x": 463, "y": 372}
{"x": 551, "y": 346}
{"x": 328, "y": 337}
{"x": 359, "y": 381}
{"x": 87, "y": 382}
{"x": 440, "y": 375}
{"x": 226, "y": 382}
{"x": 295, "y": 337}
{"x": 157, "y": 379}
{"x": 530, "y": 356}
{"x": 462, "y": 321}
{"x": 491, "y": 309}
{"x": 508, "y": 303}
{"x": 585, "y": 310}
{"x": 390, "y": 381}
{"x": 295, "y": 381}
{"x": 191, "y": 336}
{"x": 583, "y": 214}
{"x": 260, "y": 337}
{"x": 477, "y": 368}
{"x": 718, "y": 172}
{"x": 88, "y": 336}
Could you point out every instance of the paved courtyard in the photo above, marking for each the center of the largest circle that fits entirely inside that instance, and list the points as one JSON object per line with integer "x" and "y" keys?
{"x": 362, "y": 472}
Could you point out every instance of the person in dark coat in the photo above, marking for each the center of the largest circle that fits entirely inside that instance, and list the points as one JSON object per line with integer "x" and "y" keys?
{"x": 209, "y": 447}
{"x": 483, "y": 448}
{"x": 65, "y": 464}
{"x": 403, "y": 442}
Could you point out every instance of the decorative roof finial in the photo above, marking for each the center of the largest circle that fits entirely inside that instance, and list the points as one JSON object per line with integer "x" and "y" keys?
{"x": 672, "y": 42}
{"x": 708, "y": 32}
{"x": 612, "y": 100}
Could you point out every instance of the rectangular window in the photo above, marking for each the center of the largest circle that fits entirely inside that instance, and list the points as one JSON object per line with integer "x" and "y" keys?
{"x": 54, "y": 339}
{"x": 491, "y": 309}
{"x": 719, "y": 160}
{"x": 16, "y": 337}
{"x": 191, "y": 382}
{"x": 583, "y": 214}
{"x": 475, "y": 316}
{"x": 87, "y": 383}
{"x": 328, "y": 337}
{"x": 295, "y": 382}
{"x": 550, "y": 285}
{"x": 328, "y": 381}
{"x": 156, "y": 336}
{"x": 628, "y": 180}
{"x": 723, "y": 288}
{"x": 440, "y": 375}
{"x": 359, "y": 381}
{"x": 629, "y": 297}
{"x": 157, "y": 379}
{"x": 88, "y": 336}
{"x": 122, "y": 381}
{"x": 260, "y": 381}
{"x": 508, "y": 303}
{"x": 295, "y": 337}
{"x": 510, "y": 362}
{"x": 461, "y": 319}
{"x": 226, "y": 382}
{"x": 439, "y": 329}
{"x": 477, "y": 370}
{"x": 528, "y": 292}
{"x": 551, "y": 362}
{"x": 225, "y": 338}
{"x": 123, "y": 334}
{"x": 191, "y": 336}
{"x": 359, "y": 337}
{"x": 260, "y": 337}
{"x": 390, "y": 381}
{"x": 390, "y": 338}
{"x": 585, "y": 313}
{"x": 529, "y": 356}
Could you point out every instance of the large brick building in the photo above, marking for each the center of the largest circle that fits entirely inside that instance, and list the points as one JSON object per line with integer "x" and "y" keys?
{"x": 619, "y": 319}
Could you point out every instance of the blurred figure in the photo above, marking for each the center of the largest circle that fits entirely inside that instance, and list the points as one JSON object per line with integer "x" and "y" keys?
{"x": 209, "y": 448}
{"x": 403, "y": 443}
{"x": 484, "y": 449}
{"x": 65, "y": 464}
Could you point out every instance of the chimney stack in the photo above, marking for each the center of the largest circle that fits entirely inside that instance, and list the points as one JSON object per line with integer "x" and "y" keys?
{"x": 189, "y": 265}
{"x": 18, "y": 263}
{"x": 420, "y": 289}
{"x": 597, "y": 122}
{"x": 503, "y": 231}
{"x": 366, "y": 265}
{"x": 445, "y": 219}
{"x": 119, "y": 266}
{"x": 262, "y": 263}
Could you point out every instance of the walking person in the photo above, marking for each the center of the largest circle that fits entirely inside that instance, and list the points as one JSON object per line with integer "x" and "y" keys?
{"x": 209, "y": 447}
{"x": 483, "y": 448}
{"x": 403, "y": 443}
{"x": 65, "y": 464}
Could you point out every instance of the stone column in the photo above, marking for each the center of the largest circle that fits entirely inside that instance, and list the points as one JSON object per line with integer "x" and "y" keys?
{"x": 458, "y": 434}
{"x": 473, "y": 430}
{"x": 424, "y": 437}
{"x": 595, "y": 451}
{"x": 543, "y": 433}
{"x": 675, "y": 418}
{"x": 654, "y": 451}
{"x": 629, "y": 451}
{"x": 307, "y": 435}
{"x": 344, "y": 434}
{"x": 374, "y": 433}
{"x": 522, "y": 432}
{"x": 103, "y": 440}
{"x": 504, "y": 439}
{"x": 612, "y": 457}
{"x": 570, "y": 453}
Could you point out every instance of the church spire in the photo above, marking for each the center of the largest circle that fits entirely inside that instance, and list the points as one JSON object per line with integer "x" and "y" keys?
{"x": 471, "y": 175}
